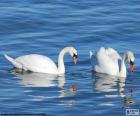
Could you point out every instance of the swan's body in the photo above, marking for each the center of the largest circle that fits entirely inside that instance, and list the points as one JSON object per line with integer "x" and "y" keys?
{"x": 107, "y": 62}
{"x": 42, "y": 64}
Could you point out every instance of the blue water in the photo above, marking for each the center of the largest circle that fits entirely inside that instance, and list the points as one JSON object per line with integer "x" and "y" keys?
{"x": 47, "y": 26}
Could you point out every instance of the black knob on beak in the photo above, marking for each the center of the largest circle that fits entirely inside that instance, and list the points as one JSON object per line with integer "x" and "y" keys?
{"x": 75, "y": 58}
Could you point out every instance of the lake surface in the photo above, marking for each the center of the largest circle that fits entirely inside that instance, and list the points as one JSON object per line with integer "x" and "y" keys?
{"x": 47, "y": 26}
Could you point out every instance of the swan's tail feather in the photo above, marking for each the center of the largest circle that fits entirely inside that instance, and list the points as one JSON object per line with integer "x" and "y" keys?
{"x": 92, "y": 58}
{"x": 90, "y": 54}
{"x": 10, "y": 59}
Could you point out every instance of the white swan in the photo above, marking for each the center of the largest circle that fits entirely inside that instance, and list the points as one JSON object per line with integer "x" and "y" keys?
{"x": 43, "y": 64}
{"x": 107, "y": 62}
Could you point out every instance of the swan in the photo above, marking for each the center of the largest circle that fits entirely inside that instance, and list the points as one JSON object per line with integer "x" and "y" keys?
{"x": 107, "y": 62}
{"x": 43, "y": 64}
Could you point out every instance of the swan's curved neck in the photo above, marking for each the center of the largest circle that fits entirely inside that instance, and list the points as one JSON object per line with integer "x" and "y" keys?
{"x": 123, "y": 66}
{"x": 61, "y": 66}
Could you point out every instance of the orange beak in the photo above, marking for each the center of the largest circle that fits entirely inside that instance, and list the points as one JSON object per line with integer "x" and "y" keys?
{"x": 132, "y": 67}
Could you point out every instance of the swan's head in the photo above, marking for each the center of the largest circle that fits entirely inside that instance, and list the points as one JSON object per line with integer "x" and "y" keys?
{"x": 131, "y": 60}
{"x": 73, "y": 53}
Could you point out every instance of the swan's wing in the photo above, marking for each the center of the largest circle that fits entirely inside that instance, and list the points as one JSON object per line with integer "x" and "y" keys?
{"x": 37, "y": 63}
{"x": 113, "y": 54}
{"x": 105, "y": 63}
{"x": 94, "y": 62}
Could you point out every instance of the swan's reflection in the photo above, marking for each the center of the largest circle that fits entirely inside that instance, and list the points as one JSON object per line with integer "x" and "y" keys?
{"x": 121, "y": 88}
{"x": 113, "y": 87}
{"x": 105, "y": 83}
{"x": 29, "y": 79}
{"x": 126, "y": 99}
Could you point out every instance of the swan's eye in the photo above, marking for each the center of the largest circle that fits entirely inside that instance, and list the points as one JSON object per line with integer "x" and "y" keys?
{"x": 131, "y": 62}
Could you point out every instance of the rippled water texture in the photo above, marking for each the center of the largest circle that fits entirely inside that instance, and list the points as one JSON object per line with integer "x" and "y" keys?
{"x": 47, "y": 26}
